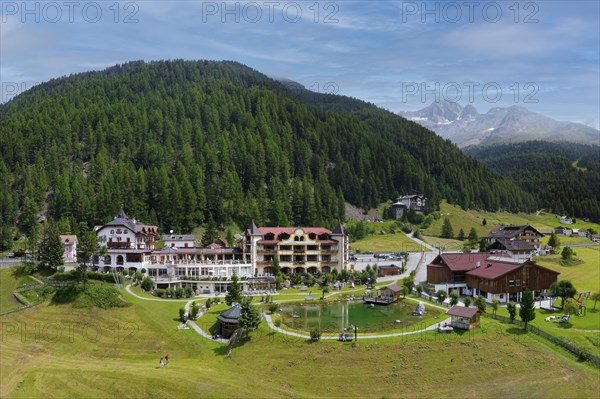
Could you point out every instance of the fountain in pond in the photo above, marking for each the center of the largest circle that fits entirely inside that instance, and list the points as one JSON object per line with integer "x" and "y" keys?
{"x": 420, "y": 310}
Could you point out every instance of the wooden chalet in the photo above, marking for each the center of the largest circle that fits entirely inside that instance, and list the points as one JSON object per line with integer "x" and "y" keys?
{"x": 387, "y": 294}
{"x": 525, "y": 233}
{"x": 505, "y": 280}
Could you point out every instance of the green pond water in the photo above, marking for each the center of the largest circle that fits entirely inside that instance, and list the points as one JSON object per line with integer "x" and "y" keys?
{"x": 336, "y": 316}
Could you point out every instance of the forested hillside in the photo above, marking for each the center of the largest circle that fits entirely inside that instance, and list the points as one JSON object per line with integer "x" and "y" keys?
{"x": 565, "y": 177}
{"x": 180, "y": 143}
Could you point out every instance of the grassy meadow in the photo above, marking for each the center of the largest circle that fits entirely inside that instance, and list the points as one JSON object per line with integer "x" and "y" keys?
{"x": 60, "y": 351}
{"x": 585, "y": 276}
{"x": 398, "y": 242}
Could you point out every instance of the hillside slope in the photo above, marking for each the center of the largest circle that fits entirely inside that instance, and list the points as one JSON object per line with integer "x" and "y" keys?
{"x": 565, "y": 177}
{"x": 180, "y": 143}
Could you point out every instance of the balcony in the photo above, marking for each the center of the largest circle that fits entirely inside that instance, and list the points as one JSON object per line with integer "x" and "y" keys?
{"x": 118, "y": 245}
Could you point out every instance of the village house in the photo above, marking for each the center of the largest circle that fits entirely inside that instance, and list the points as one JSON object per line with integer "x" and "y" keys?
{"x": 129, "y": 243}
{"x": 493, "y": 276}
{"x": 69, "y": 243}
{"x": 298, "y": 249}
{"x": 465, "y": 318}
{"x": 179, "y": 240}
{"x": 525, "y": 233}
{"x": 563, "y": 231}
{"x": 515, "y": 248}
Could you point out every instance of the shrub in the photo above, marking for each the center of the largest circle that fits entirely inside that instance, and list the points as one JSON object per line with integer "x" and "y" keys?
{"x": 277, "y": 323}
{"x": 169, "y": 292}
{"x": 180, "y": 292}
{"x": 441, "y": 295}
{"x": 208, "y": 303}
{"x": 159, "y": 292}
{"x": 189, "y": 292}
{"x": 143, "y": 270}
{"x": 315, "y": 335}
{"x": 182, "y": 317}
{"x": 147, "y": 284}
{"x": 273, "y": 307}
{"x": 194, "y": 310}
{"x": 419, "y": 290}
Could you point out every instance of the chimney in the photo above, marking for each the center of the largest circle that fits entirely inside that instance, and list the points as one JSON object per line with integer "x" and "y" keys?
{"x": 478, "y": 264}
{"x": 489, "y": 265}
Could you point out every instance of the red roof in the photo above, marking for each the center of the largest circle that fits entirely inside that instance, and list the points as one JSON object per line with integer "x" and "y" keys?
{"x": 392, "y": 287}
{"x": 214, "y": 245}
{"x": 460, "y": 262}
{"x": 462, "y": 311}
{"x": 290, "y": 230}
{"x": 491, "y": 270}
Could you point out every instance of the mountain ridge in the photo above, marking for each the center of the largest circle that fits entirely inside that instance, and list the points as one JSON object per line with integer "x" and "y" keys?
{"x": 465, "y": 126}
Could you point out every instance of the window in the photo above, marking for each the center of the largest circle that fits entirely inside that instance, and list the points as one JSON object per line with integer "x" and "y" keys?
{"x": 518, "y": 283}
{"x": 511, "y": 283}
{"x": 112, "y": 232}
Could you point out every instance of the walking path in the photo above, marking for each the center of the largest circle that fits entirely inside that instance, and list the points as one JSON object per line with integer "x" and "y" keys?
{"x": 204, "y": 334}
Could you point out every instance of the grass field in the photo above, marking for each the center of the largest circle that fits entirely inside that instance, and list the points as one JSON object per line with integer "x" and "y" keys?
{"x": 584, "y": 276}
{"x": 448, "y": 243}
{"x": 8, "y": 283}
{"x": 58, "y": 351}
{"x": 398, "y": 242}
{"x": 472, "y": 218}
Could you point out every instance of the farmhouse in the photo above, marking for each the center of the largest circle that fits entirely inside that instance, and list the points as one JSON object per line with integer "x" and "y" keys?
{"x": 69, "y": 243}
{"x": 525, "y": 233}
{"x": 563, "y": 231}
{"x": 413, "y": 202}
{"x": 494, "y": 276}
{"x": 515, "y": 248}
{"x": 463, "y": 317}
{"x": 299, "y": 249}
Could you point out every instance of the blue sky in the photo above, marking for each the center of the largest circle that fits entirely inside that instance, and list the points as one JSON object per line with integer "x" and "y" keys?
{"x": 400, "y": 55}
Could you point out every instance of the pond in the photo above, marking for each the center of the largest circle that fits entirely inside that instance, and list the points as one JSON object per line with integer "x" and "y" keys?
{"x": 336, "y": 316}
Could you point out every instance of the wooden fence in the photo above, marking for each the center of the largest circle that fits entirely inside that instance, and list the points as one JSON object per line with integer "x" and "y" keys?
{"x": 567, "y": 345}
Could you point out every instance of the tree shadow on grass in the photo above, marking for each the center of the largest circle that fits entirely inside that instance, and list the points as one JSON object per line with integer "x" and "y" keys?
{"x": 516, "y": 331}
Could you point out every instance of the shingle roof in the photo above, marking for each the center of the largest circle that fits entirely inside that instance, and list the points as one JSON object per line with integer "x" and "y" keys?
{"x": 462, "y": 311}
{"x": 68, "y": 239}
{"x": 253, "y": 229}
{"x": 231, "y": 315}
{"x": 459, "y": 262}
{"x": 510, "y": 231}
{"x": 290, "y": 230}
{"x": 512, "y": 245}
{"x": 491, "y": 270}
{"x": 392, "y": 287}
{"x": 339, "y": 229}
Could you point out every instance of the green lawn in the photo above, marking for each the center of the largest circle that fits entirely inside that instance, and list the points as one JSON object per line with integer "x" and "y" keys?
{"x": 115, "y": 353}
{"x": 472, "y": 218}
{"x": 584, "y": 276}
{"x": 8, "y": 283}
{"x": 398, "y": 242}
{"x": 583, "y": 331}
{"x": 447, "y": 243}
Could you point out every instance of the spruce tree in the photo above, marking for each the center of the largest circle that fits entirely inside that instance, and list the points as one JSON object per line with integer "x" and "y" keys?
{"x": 447, "y": 231}
{"x": 461, "y": 235}
{"x": 250, "y": 316}
{"x": 554, "y": 242}
{"x": 473, "y": 237}
{"x": 51, "y": 249}
{"x": 234, "y": 294}
{"x": 527, "y": 309}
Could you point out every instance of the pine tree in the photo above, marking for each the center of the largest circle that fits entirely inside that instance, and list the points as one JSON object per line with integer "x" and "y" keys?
{"x": 527, "y": 309}
{"x": 461, "y": 235}
{"x": 234, "y": 294}
{"x": 511, "y": 307}
{"x": 51, "y": 249}
{"x": 484, "y": 222}
{"x": 250, "y": 316}
{"x": 447, "y": 231}
{"x": 554, "y": 242}
{"x": 473, "y": 237}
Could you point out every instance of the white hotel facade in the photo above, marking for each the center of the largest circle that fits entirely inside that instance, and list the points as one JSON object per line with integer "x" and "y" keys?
{"x": 130, "y": 246}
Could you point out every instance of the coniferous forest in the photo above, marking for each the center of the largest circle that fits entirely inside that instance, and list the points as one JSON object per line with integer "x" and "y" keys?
{"x": 182, "y": 143}
{"x": 564, "y": 177}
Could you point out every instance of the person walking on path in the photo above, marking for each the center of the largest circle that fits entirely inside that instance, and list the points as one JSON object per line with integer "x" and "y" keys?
{"x": 167, "y": 360}
{"x": 162, "y": 363}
